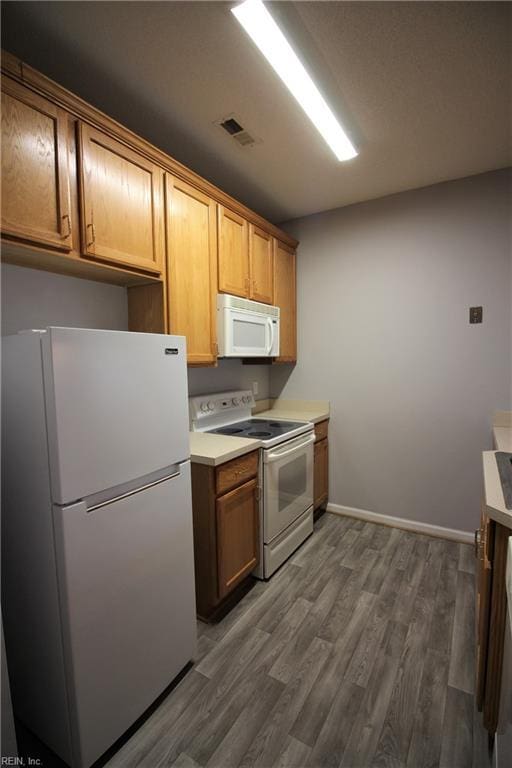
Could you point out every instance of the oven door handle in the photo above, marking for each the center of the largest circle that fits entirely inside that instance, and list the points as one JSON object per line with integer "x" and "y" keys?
{"x": 271, "y": 457}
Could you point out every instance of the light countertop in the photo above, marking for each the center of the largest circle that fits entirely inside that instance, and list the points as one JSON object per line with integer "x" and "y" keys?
{"x": 212, "y": 450}
{"x": 494, "y": 501}
{"x": 503, "y": 438}
{"x": 295, "y": 410}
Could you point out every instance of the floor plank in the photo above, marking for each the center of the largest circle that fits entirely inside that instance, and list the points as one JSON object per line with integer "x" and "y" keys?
{"x": 457, "y": 735}
{"x": 462, "y": 660}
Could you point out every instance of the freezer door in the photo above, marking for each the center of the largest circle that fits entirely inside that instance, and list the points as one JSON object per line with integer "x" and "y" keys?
{"x": 126, "y": 579}
{"x": 116, "y": 407}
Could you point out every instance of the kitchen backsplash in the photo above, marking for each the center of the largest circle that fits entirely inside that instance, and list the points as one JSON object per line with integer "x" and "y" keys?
{"x": 229, "y": 374}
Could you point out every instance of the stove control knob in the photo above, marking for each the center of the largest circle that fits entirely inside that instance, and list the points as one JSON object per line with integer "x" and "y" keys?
{"x": 204, "y": 407}
{"x": 211, "y": 405}
{"x": 236, "y": 401}
{"x": 246, "y": 399}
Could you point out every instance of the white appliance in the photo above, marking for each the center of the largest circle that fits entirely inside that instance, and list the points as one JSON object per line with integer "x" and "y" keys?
{"x": 246, "y": 328}
{"x": 98, "y": 564}
{"x": 286, "y": 469}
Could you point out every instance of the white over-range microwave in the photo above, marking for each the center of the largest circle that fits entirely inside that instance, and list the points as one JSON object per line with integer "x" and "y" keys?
{"x": 246, "y": 328}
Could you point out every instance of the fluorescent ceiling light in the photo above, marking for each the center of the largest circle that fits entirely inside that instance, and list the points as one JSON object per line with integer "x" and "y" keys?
{"x": 261, "y": 27}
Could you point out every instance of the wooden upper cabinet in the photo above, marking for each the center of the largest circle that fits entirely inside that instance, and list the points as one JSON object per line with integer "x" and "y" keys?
{"x": 121, "y": 203}
{"x": 285, "y": 298}
{"x": 192, "y": 269}
{"x": 35, "y": 171}
{"x": 261, "y": 265}
{"x": 233, "y": 253}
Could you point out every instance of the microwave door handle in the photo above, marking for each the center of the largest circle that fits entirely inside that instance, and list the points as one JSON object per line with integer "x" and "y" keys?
{"x": 271, "y": 335}
{"x": 276, "y": 456}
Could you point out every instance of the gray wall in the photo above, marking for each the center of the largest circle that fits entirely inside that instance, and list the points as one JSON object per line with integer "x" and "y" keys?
{"x": 35, "y": 299}
{"x": 32, "y": 298}
{"x": 229, "y": 374}
{"x": 384, "y": 289}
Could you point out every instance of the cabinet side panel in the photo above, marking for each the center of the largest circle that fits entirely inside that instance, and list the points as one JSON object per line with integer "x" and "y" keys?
{"x": 30, "y": 601}
{"x": 205, "y": 538}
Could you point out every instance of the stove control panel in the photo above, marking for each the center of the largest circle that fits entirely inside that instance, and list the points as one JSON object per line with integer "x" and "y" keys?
{"x": 220, "y": 408}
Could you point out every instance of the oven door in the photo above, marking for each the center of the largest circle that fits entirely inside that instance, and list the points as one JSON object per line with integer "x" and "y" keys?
{"x": 249, "y": 334}
{"x": 287, "y": 483}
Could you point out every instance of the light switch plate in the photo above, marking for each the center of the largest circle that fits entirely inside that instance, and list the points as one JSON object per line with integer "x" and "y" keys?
{"x": 475, "y": 314}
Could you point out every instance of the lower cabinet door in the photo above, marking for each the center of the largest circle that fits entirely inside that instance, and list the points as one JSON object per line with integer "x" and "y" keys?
{"x": 237, "y": 535}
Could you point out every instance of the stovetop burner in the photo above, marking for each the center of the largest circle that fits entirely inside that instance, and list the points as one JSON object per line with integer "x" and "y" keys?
{"x": 261, "y": 428}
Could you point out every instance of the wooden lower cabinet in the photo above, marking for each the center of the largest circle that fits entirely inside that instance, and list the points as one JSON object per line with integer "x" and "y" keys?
{"x": 321, "y": 465}
{"x": 237, "y": 535}
{"x": 226, "y": 530}
{"x": 491, "y": 551}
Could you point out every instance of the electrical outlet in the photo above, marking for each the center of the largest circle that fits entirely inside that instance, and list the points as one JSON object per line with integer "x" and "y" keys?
{"x": 255, "y": 388}
{"x": 475, "y": 314}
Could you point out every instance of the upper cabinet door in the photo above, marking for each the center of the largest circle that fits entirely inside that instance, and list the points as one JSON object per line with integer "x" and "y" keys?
{"x": 121, "y": 199}
{"x": 261, "y": 256}
{"x": 233, "y": 253}
{"x": 285, "y": 294}
{"x": 35, "y": 173}
{"x": 192, "y": 269}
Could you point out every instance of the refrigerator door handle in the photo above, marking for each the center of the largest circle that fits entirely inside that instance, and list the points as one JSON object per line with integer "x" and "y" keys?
{"x": 132, "y": 493}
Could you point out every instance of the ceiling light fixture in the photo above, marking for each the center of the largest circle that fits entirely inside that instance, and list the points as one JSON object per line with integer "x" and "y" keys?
{"x": 261, "y": 27}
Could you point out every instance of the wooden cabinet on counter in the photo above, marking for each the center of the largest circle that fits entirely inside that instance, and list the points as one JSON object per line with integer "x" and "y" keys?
{"x": 285, "y": 297}
{"x": 36, "y": 203}
{"x": 225, "y": 501}
{"x": 192, "y": 269}
{"x": 233, "y": 232}
{"x": 246, "y": 258}
{"x": 85, "y": 196}
{"x": 491, "y": 610}
{"x": 261, "y": 265}
{"x": 121, "y": 203}
{"x": 321, "y": 465}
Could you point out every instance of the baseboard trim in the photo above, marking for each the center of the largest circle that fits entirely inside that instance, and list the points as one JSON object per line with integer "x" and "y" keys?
{"x": 465, "y": 537}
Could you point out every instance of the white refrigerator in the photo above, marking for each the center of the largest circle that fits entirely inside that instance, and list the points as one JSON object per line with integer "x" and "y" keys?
{"x": 98, "y": 566}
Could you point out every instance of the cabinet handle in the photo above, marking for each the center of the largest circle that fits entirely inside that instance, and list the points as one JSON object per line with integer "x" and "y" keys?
{"x": 93, "y": 233}
{"x": 247, "y": 284}
{"x": 477, "y": 542}
{"x": 68, "y": 233}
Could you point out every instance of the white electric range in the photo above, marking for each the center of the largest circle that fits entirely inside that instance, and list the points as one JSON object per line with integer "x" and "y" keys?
{"x": 286, "y": 469}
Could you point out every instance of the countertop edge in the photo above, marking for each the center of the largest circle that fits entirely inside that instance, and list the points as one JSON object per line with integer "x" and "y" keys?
{"x": 222, "y": 458}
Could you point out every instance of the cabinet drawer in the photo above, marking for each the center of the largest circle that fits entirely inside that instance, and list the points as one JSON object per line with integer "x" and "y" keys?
{"x": 321, "y": 430}
{"x": 236, "y": 472}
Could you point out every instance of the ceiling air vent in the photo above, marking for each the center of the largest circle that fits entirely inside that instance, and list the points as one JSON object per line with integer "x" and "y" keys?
{"x": 232, "y": 126}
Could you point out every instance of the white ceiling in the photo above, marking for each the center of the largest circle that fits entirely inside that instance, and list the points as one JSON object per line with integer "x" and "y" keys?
{"x": 424, "y": 87}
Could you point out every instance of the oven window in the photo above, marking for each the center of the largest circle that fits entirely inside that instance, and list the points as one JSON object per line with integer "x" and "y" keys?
{"x": 292, "y": 481}
{"x": 249, "y": 335}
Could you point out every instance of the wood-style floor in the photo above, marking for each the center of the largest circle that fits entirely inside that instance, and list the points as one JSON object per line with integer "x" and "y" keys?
{"x": 358, "y": 653}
